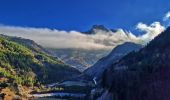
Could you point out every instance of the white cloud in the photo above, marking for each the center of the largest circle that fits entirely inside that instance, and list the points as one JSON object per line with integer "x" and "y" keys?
{"x": 62, "y": 39}
{"x": 73, "y": 39}
{"x": 150, "y": 31}
{"x": 166, "y": 19}
{"x": 167, "y": 16}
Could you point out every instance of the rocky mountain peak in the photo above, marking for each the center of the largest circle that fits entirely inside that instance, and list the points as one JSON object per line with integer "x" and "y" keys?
{"x": 97, "y": 28}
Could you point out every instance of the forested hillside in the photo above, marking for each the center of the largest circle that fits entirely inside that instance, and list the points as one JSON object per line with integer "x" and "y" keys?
{"x": 25, "y": 65}
{"x": 142, "y": 75}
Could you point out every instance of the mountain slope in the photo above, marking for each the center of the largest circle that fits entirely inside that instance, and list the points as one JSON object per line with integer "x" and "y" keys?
{"x": 97, "y": 69}
{"x": 25, "y": 66}
{"x": 142, "y": 75}
{"x": 80, "y": 59}
{"x": 26, "y": 42}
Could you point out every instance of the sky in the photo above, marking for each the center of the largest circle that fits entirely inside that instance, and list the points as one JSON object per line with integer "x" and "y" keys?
{"x": 80, "y": 15}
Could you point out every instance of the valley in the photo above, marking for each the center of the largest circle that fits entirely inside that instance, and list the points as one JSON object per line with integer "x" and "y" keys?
{"x": 130, "y": 74}
{"x": 28, "y": 71}
{"x": 37, "y": 85}
{"x": 84, "y": 50}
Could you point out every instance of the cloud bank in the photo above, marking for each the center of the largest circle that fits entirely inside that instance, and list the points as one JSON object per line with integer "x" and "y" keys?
{"x": 62, "y": 39}
{"x": 101, "y": 40}
{"x": 73, "y": 39}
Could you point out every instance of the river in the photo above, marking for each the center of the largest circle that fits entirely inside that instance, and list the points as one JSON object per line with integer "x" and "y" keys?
{"x": 58, "y": 96}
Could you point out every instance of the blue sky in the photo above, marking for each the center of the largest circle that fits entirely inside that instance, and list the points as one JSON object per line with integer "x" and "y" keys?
{"x": 81, "y": 14}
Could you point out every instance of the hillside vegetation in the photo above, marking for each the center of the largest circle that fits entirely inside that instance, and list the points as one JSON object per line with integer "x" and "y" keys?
{"x": 26, "y": 65}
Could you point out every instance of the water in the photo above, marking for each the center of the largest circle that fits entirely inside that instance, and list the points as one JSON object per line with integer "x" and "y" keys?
{"x": 50, "y": 96}
{"x": 49, "y": 99}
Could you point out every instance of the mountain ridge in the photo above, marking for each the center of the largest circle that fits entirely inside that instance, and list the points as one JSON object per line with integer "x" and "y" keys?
{"x": 142, "y": 75}
{"x": 97, "y": 69}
